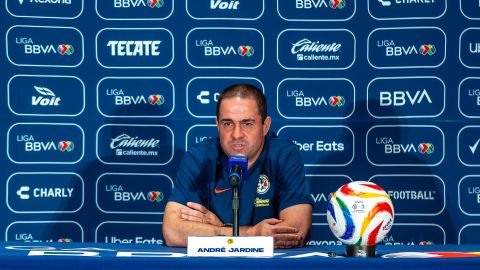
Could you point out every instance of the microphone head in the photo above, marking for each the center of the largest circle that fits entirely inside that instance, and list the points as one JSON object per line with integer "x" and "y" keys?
{"x": 237, "y": 169}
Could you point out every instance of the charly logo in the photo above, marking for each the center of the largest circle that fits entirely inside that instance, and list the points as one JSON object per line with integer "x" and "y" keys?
{"x": 315, "y": 49}
{"x": 225, "y": 47}
{"x": 46, "y": 95}
{"x": 331, "y": 10}
{"x": 300, "y": 98}
{"x": 44, "y": 46}
{"x": 134, "y": 48}
{"x": 135, "y": 144}
{"x": 202, "y": 93}
{"x": 391, "y": 9}
{"x": 406, "y": 97}
{"x": 151, "y": 97}
{"x": 406, "y": 47}
{"x": 45, "y": 143}
{"x": 423, "y": 147}
{"x": 322, "y": 148}
{"x": 133, "y": 193}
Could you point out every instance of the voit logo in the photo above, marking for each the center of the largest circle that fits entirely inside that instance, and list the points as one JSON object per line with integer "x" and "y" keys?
{"x": 316, "y": 49}
{"x": 45, "y": 143}
{"x": 300, "y": 98}
{"x": 424, "y": 145}
{"x": 406, "y": 47}
{"x": 47, "y": 97}
{"x": 237, "y": 47}
{"x": 44, "y": 46}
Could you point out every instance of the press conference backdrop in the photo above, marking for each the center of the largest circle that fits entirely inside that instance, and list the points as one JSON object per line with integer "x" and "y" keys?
{"x": 101, "y": 98}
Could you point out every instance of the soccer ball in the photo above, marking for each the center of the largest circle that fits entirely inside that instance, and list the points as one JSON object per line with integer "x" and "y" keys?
{"x": 360, "y": 213}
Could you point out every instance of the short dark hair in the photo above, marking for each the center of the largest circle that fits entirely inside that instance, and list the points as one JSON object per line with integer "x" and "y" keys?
{"x": 244, "y": 90}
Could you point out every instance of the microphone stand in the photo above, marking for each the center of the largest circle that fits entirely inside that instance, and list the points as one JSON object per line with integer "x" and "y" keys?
{"x": 235, "y": 210}
{"x": 234, "y": 179}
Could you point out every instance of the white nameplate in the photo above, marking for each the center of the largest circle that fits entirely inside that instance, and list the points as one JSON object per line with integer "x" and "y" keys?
{"x": 228, "y": 246}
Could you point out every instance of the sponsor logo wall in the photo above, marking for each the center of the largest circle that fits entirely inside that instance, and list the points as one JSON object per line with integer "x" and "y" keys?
{"x": 102, "y": 97}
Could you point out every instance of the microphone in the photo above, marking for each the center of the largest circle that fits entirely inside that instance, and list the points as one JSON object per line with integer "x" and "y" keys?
{"x": 237, "y": 169}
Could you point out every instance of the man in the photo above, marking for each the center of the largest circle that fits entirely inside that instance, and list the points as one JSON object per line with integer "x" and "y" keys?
{"x": 274, "y": 199}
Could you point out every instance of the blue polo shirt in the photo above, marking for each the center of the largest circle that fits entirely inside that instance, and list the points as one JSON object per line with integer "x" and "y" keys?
{"x": 275, "y": 181}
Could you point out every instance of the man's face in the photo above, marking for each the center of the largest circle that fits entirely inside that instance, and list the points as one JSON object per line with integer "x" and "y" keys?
{"x": 240, "y": 128}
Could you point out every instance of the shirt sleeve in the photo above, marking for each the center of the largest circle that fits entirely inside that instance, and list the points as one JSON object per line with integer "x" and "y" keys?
{"x": 187, "y": 184}
{"x": 293, "y": 187}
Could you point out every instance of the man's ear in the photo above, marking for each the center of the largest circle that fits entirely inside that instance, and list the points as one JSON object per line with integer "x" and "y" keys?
{"x": 266, "y": 125}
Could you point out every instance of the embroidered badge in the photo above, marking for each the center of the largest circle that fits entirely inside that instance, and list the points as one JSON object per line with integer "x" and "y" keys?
{"x": 263, "y": 184}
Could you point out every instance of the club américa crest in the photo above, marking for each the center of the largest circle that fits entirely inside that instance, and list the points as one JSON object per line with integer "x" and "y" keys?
{"x": 263, "y": 184}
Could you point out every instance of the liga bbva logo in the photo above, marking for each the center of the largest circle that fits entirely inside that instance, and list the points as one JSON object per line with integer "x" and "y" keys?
{"x": 316, "y": 10}
{"x": 46, "y": 95}
{"x": 225, "y": 9}
{"x": 419, "y": 47}
{"x": 469, "y": 97}
{"x": 45, "y": 143}
{"x": 135, "y": 97}
{"x": 316, "y": 49}
{"x": 225, "y": 48}
{"x": 421, "y": 146}
{"x": 44, "y": 46}
{"x": 58, "y": 9}
{"x": 391, "y": 9}
{"x": 134, "y": 47}
{"x": 133, "y": 193}
{"x": 45, "y": 192}
{"x": 45, "y": 231}
{"x": 134, "y": 9}
{"x": 301, "y": 98}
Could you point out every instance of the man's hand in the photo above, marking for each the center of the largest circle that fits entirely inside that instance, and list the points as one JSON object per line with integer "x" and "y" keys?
{"x": 198, "y": 213}
{"x": 283, "y": 236}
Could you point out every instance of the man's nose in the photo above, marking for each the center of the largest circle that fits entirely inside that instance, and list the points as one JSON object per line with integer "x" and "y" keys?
{"x": 237, "y": 132}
